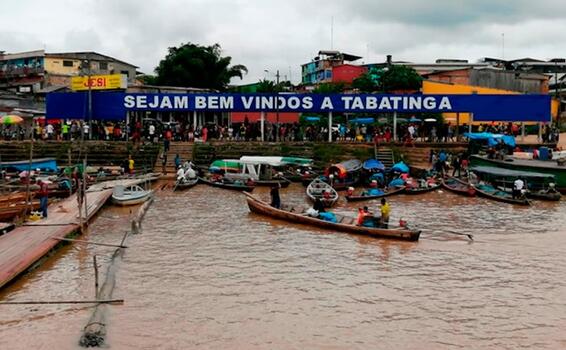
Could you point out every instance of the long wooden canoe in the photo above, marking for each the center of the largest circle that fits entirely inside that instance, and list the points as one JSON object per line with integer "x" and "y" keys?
{"x": 386, "y": 193}
{"x": 500, "y": 196}
{"x": 419, "y": 190}
{"x": 227, "y": 186}
{"x": 345, "y": 224}
{"x": 458, "y": 186}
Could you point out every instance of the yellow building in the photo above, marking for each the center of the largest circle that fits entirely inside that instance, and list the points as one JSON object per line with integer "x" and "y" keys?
{"x": 436, "y": 88}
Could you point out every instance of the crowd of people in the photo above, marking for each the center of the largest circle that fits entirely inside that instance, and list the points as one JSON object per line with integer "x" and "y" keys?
{"x": 153, "y": 130}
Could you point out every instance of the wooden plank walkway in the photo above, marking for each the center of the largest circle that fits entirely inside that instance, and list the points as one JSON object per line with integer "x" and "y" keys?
{"x": 25, "y": 245}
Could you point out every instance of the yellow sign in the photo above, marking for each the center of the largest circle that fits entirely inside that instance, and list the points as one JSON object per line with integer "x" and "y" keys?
{"x": 99, "y": 82}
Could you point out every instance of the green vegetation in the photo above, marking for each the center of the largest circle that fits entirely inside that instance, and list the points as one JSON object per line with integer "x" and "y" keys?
{"x": 400, "y": 78}
{"x": 329, "y": 88}
{"x": 192, "y": 65}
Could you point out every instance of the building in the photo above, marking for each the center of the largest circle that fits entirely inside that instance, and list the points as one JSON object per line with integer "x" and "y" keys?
{"x": 61, "y": 67}
{"x": 38, "y": 71}
{"x": 22, "y": 72}
{"x": 26, "y": 77}
{"x": 320, "y": 69}
{"x": 527, "y": 83}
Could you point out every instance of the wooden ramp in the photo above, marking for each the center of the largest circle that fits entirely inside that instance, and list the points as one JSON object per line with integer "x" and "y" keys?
{"x": 25, "y": 245}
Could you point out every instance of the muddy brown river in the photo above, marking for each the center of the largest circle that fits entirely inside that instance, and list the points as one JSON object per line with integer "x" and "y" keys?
{"x": 205, "y": 273}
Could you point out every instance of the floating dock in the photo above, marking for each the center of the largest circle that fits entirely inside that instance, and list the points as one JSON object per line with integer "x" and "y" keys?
{"x": 26, "y": 244}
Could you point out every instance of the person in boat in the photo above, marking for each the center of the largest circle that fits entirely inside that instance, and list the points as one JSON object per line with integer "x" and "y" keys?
{"x": 518, "y": 187}
{"x": 385, "y": 210}
{"x": 43, "y": 195}
{"x": 180, "y": 175}
{"x": 318, "y": 206}
{"x": 363, "y": 217}
{"x": 189, "y": 172}
{"x": 373, "y": 190}
{"x": 275, "y": 198}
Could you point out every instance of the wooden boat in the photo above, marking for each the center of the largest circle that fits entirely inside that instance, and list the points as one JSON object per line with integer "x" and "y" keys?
{"x": 317, "y": 188}
{"x": 186, "y": 184}
{"x": 488, "y": 191}
{"x": 345, "y": 174}
{"x": 226, "y": 184}
{"x": 262, "y": 170}
{"x": 6, "y": 227}
{"x": 345, "y": 224}
{"x": 456, "y": 185}
{"x": 387, "y": 192}
{"x": 422, "y": 189}
{"x": 130, "y": 195}
{"x": 526, "y": 165}
{"x": 45, "y": 164}
{"x": 538, "y": 185}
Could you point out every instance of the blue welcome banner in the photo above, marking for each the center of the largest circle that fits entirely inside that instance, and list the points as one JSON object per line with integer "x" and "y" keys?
{"x": 113, "y": 106}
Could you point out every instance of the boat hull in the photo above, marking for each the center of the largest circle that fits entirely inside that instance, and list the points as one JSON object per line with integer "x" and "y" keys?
{"x": 185, "y": 185}
{"x": 547, "y": 167}
{"x": 458, "y": 186}
{"x": 232, "y": 187}
{"x": 262, "y": 208}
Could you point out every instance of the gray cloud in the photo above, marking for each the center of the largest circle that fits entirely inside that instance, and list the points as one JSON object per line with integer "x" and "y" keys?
{"x": 274, "y": 35}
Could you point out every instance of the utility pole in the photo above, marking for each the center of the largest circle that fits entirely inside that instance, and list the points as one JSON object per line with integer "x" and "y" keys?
{"x": 89, "y": 101}
{"x": 277, "y": 137}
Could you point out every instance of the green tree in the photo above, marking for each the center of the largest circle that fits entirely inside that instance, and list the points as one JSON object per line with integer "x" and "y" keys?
{"x": 192, "y": 65}
{"x": 270, "y": 86}
{"x": 329, "y": 88}
{"x": 365, "y": 83}
{"x": 148, "y": 79}
{"x": 400, "y": 78}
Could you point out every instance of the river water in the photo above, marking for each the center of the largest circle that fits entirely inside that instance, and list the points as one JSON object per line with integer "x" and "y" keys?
{"x": 207, "y": 274}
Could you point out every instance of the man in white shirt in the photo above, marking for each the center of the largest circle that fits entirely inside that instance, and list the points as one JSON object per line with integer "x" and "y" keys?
{"x": 518, "y": 186}
{"x": 151, "y": 132}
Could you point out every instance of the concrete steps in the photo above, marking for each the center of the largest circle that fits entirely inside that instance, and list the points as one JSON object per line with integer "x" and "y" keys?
{"x": 385, "y": 155}
{"x": 183, "y": 149}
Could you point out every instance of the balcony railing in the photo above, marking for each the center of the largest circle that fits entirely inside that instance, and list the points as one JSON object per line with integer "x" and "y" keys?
{"x": 20, "y": 72}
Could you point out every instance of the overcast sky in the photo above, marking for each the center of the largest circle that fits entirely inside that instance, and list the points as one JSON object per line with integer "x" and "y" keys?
{"x": 280, "y": 35}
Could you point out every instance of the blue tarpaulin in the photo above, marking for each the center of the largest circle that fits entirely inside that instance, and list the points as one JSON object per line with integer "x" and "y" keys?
{"x": 361, "y": 120}
{"x": 373, "y": 165}
{"x": 491, "y": 139}
{"x": 400, "y": 168}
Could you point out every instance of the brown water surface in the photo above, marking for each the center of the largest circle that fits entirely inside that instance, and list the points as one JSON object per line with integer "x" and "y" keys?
{"x": 207, "y": 274}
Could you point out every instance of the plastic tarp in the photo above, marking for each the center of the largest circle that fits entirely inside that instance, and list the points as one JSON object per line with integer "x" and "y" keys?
{"x": 491, "y": 139}
{"x": 342, "y": 169}
{"x": 397, "y": 183}
{"x": 362, "y": 120}
{"x": 373, "y": 164}
{"x": 400, "y": 167}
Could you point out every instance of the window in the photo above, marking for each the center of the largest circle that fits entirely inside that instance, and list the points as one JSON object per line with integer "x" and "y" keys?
{"x": 103, "y": 65}
{"x": 125, "y": 72}
{"x": 67, "y": 63}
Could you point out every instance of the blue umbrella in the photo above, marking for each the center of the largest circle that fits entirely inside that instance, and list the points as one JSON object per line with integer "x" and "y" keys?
{"x": 362, "y": 120}
{"x": 414, "y": 120}
{"x": 312, "y": 119}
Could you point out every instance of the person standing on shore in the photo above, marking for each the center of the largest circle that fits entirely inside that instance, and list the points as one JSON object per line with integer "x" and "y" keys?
{"x": 43, "y": 195}
{"x": 130, "y": 165}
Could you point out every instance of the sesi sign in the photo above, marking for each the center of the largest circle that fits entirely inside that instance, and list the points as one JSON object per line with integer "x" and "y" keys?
{"x": 99, "y": 82}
